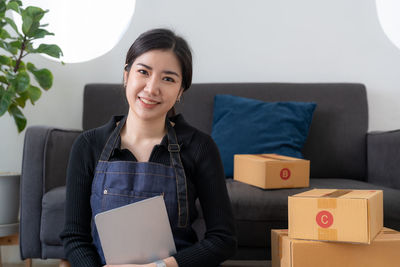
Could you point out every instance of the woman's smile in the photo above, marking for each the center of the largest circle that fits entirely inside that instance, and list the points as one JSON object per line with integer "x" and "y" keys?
{"x": 147, "y": 102}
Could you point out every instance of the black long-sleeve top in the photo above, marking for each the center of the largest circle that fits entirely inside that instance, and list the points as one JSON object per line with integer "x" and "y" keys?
{"x": 205, "y": 179}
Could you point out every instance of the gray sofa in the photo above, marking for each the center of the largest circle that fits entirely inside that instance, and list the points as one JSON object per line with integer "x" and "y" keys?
{"x": 342, "y": 154}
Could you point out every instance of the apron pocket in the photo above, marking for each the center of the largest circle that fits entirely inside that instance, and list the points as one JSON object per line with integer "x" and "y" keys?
{"x": 115, "y": 198}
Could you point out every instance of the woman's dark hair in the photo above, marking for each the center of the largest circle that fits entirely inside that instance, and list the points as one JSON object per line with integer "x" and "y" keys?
{"x": 163, "y": 39}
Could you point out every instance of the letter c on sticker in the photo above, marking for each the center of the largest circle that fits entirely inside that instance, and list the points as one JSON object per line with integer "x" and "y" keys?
{"x": 324, "y": 219}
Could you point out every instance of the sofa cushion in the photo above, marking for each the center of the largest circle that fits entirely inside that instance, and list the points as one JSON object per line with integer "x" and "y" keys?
{"x": 253, "y": 204}
{"x": 256, "y": 208}
{"x": 249, "y": 126}
{"x": 52, "y": 221}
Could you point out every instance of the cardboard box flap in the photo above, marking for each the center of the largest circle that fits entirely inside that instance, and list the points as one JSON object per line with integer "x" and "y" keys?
{"x": 339, "y": 193}
{"x": 278, "y": 157}
{"x": 258, "y": 158}
{"x": 268, "y": 157}
{"x": 314, "y": 193}
{"x": 387, "y": 234}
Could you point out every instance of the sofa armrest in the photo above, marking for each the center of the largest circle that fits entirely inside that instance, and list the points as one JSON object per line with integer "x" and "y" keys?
{"x": 45, "y": 158}
{"x": 384, "y": 158}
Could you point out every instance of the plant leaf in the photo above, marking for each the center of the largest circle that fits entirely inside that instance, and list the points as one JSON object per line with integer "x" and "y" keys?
{"x": 3, "y": 8}
{"x": 19, "y": 2}
{"x": 16, "y": 44}
{"x": 9, "y": 48}
{"x": 19, "y": 118}
{"x": 3, "y": 79}
{"x": 27, "y": 24}
{"x": 51, "y": 50}
{"x": 29, "y": 48}
{"x": 12, "y": 24}
{"x": 6, "y": 100}
{"x": 4, "y": 34}
{"x": 22, "y": 81}
{"x": 13, "y": 6}
{"x": 31, "y": 17}
{"x": 40, "y": 33}
{"x": 34, "y": 93}
{"x": 43, "y": 76}
{"x": 4, "y": 60}
{"x": 36, "y": 13}
{"x": 21, "y": 101}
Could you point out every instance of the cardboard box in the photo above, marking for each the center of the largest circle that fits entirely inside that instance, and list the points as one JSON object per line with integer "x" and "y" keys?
{"x": 269, "y": 171}
{"x": 336, "y": 215}
{"x": 287, "y": 252}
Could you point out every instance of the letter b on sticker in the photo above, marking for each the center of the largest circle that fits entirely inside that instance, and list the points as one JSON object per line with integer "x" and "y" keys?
{"x": 324, "y": 219}
{"x": 285, "y": 174}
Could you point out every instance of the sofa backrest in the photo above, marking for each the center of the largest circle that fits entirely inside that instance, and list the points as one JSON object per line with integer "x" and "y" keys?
{"x": 336, "y": 145}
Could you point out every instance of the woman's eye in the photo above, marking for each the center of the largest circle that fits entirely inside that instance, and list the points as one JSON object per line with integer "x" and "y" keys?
{"x": 143, "y": 72}
{"x": 169, "y": 79}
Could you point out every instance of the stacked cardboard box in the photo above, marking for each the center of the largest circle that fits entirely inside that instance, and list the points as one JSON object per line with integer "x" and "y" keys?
{"x": 271, "y": 171}
{"x": 329, "y": 227}
{"x": 384, "y": 251}
{"x": 336, "y": 215}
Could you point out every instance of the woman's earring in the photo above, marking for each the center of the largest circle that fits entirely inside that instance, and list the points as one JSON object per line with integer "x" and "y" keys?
{"x": 178, "y": 100}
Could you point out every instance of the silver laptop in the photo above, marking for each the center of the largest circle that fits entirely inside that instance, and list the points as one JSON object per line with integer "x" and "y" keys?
{"x": 137, "y": 233}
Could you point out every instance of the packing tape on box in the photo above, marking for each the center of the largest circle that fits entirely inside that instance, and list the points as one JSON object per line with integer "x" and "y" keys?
{"x": 327, "y": 234}
{"x": 328, "y": 201}
{"x": 337, "y": 193}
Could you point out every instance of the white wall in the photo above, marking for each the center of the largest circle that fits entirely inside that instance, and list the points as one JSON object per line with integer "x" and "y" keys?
{"x": 238, "y": 41}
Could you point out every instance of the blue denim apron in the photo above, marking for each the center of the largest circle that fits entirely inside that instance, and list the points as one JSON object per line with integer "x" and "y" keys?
{"x": 118, "y": 183}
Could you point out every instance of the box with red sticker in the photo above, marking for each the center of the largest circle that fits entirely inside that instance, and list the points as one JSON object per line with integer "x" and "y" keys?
{"x": 336, "y": 215}
{"x": 289, "y": 252}
{"x": 270, "y": 171}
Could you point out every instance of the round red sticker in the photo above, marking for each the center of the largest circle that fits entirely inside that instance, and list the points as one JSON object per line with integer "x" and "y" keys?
{"x": 285, "y": 173}
{"x": 324, "y": 219}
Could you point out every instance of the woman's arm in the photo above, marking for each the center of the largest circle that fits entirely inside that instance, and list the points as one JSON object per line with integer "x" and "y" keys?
{"x": 220, "y": 238}
{"x": 76, "y": 237}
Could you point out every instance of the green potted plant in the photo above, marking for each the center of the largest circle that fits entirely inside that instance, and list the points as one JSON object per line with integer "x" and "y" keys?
{"x": 20, "y": 81}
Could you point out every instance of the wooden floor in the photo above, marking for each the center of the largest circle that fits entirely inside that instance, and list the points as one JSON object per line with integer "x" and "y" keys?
{"x": 34, "y": 264}
{"x": 13, "y": 240}
{"x": 225, "y": 264}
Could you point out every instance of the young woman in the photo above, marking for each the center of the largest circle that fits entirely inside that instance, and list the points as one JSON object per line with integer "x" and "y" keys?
{"x": 158, "y": 70}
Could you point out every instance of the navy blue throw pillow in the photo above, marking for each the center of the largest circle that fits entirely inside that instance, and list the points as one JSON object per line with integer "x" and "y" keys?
{"x": 249, "y": 126}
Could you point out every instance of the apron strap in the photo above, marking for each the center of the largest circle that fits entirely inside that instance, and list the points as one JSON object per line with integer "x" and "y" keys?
{"x": 176, "y": 163}
{"x": 181, "y": 186}
{"x": 112, "y": 140}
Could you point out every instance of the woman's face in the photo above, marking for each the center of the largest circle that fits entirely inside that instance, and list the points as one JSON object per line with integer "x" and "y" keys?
{"x": 153, "y": 84}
